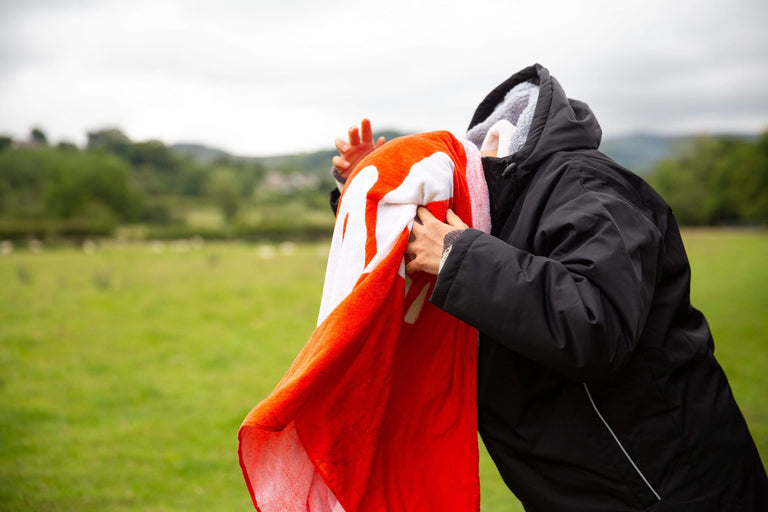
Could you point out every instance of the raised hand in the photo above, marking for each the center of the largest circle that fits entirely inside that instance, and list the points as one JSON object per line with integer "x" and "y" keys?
{"x": 359, "y": 145}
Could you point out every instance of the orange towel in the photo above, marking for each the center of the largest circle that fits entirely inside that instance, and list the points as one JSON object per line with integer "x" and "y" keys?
{"x": 378, "y": 411}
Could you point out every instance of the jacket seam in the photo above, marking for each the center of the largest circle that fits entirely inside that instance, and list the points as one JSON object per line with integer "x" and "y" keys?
{"x": 638, "y": 211}
{"x": 589, "y": 190}
{"x": 618, "y": 442}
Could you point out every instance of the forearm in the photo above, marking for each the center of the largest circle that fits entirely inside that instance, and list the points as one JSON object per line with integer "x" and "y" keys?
{"x": 537, "y": 307}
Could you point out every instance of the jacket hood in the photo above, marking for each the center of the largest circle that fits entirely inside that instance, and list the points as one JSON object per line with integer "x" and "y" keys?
{"x": 557, "y": 123}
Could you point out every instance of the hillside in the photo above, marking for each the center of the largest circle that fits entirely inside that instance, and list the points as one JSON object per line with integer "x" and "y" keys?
{"x": 640, "y": 153}
{"x": 316, "y": 162}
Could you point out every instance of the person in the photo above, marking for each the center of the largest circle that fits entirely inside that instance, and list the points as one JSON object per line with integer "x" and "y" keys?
{"x": 597, "y": 385}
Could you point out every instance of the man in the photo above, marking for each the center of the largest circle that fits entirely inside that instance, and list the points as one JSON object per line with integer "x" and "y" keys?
{"x": 597, "y": 384}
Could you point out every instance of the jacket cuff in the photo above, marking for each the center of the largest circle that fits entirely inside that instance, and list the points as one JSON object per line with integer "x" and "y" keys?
{"x": 338, "y": 178}
{"x": 451, "y": 266}
{"x": 448, "y": 241}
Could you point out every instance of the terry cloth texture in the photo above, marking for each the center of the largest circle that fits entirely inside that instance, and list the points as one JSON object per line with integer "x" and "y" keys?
{"x": 378, "y": 411}
{"x": 506, "y": 129}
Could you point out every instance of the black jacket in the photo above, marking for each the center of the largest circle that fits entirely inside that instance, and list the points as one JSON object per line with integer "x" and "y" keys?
{"x": 597, "y": 384}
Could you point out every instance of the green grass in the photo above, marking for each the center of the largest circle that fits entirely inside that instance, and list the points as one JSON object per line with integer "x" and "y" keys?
{"x": 730, "y": 286}
{"x": 124, "y": 374}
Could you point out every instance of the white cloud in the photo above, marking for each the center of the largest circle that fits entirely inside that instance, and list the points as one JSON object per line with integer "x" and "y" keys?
{"x": 259, "y": 77}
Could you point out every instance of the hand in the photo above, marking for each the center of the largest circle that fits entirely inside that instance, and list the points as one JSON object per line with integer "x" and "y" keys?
{"x": 425, "y": 246}
{"x": 350, "y": 153}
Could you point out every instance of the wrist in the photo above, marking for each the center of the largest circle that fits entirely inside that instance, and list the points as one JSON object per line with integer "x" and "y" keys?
{"x": 448, "y": 240}
{"x": 339, "y": 178}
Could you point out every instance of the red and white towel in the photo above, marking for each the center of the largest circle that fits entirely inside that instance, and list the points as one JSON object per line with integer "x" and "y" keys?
{"x": 378, "y": 411}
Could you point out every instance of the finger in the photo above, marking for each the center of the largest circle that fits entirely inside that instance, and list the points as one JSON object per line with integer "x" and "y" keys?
{"x": 365, "y": 127}
{"x": 340, "y": 163}
{"x": 417, "y": 229}
{"x": 354, "y": 136}
{"x": 424, "y": 215}
{"x": 380, "y": 142}
{"x": 412, "y": 266}
{"x": 341, "y": 145}
{"x": 454, "y": 220}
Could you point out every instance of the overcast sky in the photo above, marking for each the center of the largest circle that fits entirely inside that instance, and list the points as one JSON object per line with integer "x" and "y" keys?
{"x": 261, "y": 77}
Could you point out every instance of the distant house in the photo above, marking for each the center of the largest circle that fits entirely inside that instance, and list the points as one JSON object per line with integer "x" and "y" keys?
{"x": 290, "y": 182}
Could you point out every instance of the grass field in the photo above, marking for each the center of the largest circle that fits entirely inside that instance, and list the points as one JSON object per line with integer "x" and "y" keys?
{"x": 126, "y": 371}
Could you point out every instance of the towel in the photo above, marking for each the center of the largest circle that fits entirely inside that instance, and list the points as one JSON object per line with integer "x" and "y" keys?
{"x": 378, "y": 411}
{"x": 499, "y": 138}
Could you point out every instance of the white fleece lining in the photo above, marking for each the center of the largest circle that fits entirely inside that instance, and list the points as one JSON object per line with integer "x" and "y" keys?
{"x": 517, "y": 107}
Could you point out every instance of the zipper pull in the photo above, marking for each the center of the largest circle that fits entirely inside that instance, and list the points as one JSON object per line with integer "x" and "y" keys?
{"x": 510, "y": 168}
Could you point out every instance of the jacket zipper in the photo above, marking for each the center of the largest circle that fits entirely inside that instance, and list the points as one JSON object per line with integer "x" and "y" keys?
{"x": 594, "y": 406}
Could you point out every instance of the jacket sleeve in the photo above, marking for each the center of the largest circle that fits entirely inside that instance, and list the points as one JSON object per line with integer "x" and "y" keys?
{"x": 578, "y": 303}
{"x": 334, "y": 200}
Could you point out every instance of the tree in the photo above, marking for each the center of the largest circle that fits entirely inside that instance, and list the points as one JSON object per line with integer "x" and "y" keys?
{"x": 22, "y": 178}
{"x": 111, "y": 140}
{"x": 153, "y": 153}
{"x": 79, "y": 183}
{"x": 224, "y": 188}
{"x": 154, "y": 159}
{"x": 685, "y": 182}
{"x": 719, "y": 180}
{"x": 67, "y": 146}
{"x": 37, "y": 137}
{"x": 46, "y": 190}
{"x": 192, "y": 178}
{"x": 747, "y": 167}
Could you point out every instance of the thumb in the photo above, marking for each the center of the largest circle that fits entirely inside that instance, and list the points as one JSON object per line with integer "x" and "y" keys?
{"x": 453, "y": 220}
{"x": 424, "y": 215}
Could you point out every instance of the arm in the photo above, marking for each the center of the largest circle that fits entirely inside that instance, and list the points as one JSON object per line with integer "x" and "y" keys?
{"x": 579, "y": 304}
